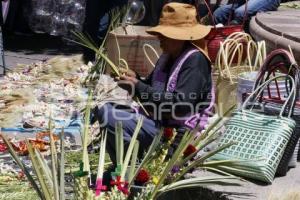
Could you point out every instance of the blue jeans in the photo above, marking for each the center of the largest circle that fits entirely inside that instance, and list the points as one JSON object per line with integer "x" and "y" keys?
{"x": 223, "y": 13}
{"x": 107, "y": 116}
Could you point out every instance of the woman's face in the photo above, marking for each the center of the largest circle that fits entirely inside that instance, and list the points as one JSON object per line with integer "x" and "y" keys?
{"x": 170, "y": 46}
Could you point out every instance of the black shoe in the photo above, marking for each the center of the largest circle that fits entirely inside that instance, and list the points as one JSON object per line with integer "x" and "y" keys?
{"x": 107, "y": 178}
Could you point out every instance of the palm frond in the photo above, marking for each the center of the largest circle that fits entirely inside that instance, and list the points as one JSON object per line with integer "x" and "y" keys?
{"x": 119, "y": 140}
{"x": 131, "y": 145}
{"x": 62, "y": 166}
{"x": 39, "y": 172}
{"x": 85, "y": 138}
{"x": 200, "y": 160}
{"x": 22, "y": 167}
{"x": 86, "y": 42}
{"x": 45, "y": 168}
{"x": 133, "y": 161}
{"x": 102, "y": 156}
{"x": 54, "y": 166}
{"x": 148, "y": 155}
{"x": 186, "y": 139}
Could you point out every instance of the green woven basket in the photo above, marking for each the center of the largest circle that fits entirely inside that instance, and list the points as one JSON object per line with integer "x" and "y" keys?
{"x": 261, "y": 139}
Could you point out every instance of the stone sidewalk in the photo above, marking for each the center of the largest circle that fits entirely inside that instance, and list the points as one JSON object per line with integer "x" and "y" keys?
{"x": 33, "y": 48}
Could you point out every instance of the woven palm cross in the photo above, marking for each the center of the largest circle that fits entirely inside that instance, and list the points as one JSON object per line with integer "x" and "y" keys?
{"x": 117, "y": 182}
{"x": 117, "y": 171}
{"x": 121, "y": 185}
{"x": 80, "y": 173}
{"x": 100, "y": 187}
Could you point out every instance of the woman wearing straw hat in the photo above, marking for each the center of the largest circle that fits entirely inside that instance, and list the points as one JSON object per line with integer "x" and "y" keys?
{"x": 180, "y": 81}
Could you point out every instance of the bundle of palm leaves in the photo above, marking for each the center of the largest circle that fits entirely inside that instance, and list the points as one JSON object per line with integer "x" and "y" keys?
{"x": 116, "y": 15}
{"x": 128, "y": 168}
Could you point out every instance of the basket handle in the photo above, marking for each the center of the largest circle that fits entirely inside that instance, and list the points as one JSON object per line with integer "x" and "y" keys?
{"x": 226, "y": 55}
{"x": 251, "y": 49}
{"x": 267, "y": 69}
{"x": 279, "y": 52}
{"x": 291, "y": 98}
{"x": 228, "y": 50}
{"x": 262, "y": 53}
{"x": 257, "y": 50}
{"x": 145, "y": 46}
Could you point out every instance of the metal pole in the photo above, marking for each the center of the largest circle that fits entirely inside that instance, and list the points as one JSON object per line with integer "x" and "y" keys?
{"x": 2, "y": 57}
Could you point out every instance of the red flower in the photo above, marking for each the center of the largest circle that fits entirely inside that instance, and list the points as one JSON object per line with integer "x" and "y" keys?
{"x": 189, "y": 150}
{"x": 168, "y": 133}
{"x": 142, "y": 177}
{"x": 122, "y": 186}
{"x": 21, "y": 175}
{"x": 3, "y": 147}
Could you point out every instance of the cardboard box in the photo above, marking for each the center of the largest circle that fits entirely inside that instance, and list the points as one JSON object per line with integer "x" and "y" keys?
{"x": 131, "y": 48}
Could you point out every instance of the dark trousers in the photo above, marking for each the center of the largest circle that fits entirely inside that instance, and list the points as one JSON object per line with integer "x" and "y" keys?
{"x": 95, "y": 11}
{"x": 108, "y": 115}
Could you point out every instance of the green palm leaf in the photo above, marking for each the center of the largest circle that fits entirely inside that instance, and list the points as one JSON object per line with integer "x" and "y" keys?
{"x": 22, "y": 167}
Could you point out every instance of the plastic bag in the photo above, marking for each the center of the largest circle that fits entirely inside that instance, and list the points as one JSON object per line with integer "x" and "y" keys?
{"x": 57, "y": 17}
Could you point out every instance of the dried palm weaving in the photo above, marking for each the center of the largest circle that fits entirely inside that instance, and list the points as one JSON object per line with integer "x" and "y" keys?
{"x": 230, "y": 63}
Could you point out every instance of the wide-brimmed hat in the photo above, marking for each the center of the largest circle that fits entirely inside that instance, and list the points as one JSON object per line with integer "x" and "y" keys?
{"x": 179, "y": 21}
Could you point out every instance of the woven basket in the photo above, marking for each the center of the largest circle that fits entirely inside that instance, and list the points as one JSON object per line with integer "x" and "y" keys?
{"x": 293, "y": 160}
{"x": 283, "y": 61}
{"x": 218, "y": 35}
{"x": 287, "y": 160}
{"x": 261, "y": 139}
{"x": 246, "y": 83}
{"x": 226, "y": 88}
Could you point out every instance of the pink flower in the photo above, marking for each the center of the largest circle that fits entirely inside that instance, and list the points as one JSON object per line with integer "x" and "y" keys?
{"x": 3, "y": 147}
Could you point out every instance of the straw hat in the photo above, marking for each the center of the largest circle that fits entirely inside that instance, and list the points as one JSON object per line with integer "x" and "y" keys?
{"x": 179, "y": 21}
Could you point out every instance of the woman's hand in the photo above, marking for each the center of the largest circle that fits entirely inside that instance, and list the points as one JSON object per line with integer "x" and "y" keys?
{"x": 127, "y": 72}
{"x": 127, "y": 80}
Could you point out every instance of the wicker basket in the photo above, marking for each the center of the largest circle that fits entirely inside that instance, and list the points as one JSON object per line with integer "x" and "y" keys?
{"x": 226, "y": 87}
{"x": 283, "y": 61}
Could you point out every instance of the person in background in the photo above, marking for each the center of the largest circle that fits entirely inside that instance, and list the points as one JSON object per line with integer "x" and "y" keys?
{"x": 235, "y": 10}
{"x": 180, "y": 81}
{"x": 154, "y": 7}
{"x": 96, "y": 12}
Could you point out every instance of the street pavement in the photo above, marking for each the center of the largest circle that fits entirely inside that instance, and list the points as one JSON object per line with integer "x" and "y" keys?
{"x": 26, "y": 49}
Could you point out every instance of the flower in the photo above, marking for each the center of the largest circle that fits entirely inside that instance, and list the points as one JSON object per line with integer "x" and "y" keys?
{"x": 3, "y": 147}
{"x": 168, "y": 133}
{"x": 21, "y": 175}
{"x": 122, "y": 186}
{"x": 155, "y": 180}
{"x": 189, "y": 150}
{"x": 142, "y": 177}
{"x": 175, "y": 169}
